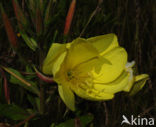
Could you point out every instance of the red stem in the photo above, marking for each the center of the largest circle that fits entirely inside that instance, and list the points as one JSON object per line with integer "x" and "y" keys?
{"x": 43, "y": 77}
{"x": 69, "y": 17}
{"x": 6, "y": 89}
{"x": 24, "y": 121}
{"x": 9, "y": 29}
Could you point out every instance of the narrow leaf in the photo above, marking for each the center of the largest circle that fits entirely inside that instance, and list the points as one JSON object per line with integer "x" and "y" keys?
{"x": 13, "y": 112}
{"x": 32, "y": 9}
{"x": 22, "y": 21}
{"x": 84, "y": 120}
{"x": 24, "y": 121}
{"x": 31, "y": 43}
{"x": 17, "y": 78}
{"x": 48, "y": 13}
{"x": 32, "y": 6}
{"x": 9, "y": 29}
{"x": 6, "y": 89}
{"x": 38, "y": 22}
{"x": 42, "y": 5}
{"x": 69, "y": 17}
{"x": 9, "y": 70}
{"x": 33, "y": 101}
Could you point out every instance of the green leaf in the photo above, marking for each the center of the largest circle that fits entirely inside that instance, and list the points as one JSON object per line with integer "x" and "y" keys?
{"x": 35, "y": 102}
{"x": 85, "y": 120}
{"x": 68, "y": 123}
{"x": 21, "y": 18}
{"x": 140, "y": 81}
{"x": 48, "y": 16}
{"x": 33, "y": 88}
{"x": 13, "y": 112}
{"x": 60, "y": 10}
{"x": 31, "y": 73}
{"x": 31, "y": 43}
{"x": 52, "y": 125}
{"x": 31, "y": 100}
{"x": 29, "y": 69}
{"x": 54, "y": 36}
{"x": 31, "y": 6}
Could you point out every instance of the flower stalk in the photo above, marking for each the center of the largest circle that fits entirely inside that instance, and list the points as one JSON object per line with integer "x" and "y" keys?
{"x": 43, "y": 77}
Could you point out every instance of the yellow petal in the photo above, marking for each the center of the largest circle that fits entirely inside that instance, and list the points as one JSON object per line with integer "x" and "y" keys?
{"x": 140, "y": 81}
{"x": 79, "y": 52}
{"x": 98, "y": 96}
{"x": 81, "y": 93}
{"x": 56, "y": 50}
{"x": 94, "y": 64}
{"x": 91, "y": 94}
{"x": 57, "y": 63}
{"x": 115, "y": 86}
{"x": 104, "y": 43}
{"x": 67, "y": 96}
{"x": 109, "y": 72}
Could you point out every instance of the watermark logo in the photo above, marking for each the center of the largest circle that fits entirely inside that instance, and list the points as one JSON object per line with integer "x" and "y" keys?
{"x": 137, "y": 121}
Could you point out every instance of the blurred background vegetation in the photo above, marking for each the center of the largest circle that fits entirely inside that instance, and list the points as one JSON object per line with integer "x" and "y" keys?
{"x": 29, "y": 27}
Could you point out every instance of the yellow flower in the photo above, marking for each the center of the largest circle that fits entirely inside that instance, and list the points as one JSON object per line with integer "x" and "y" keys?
{"x": 94, "y": 69}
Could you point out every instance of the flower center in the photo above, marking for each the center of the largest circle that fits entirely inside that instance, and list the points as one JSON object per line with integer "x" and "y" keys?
{"x": 77, "y": 80}
{"x": 70, "y": 75}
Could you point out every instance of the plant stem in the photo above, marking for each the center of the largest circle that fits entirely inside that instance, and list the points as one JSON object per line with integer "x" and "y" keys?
{"x": 24, "y": 121}
{"x": 42, "y": 99}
